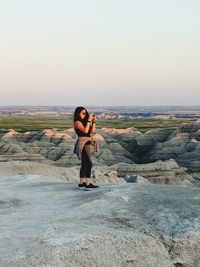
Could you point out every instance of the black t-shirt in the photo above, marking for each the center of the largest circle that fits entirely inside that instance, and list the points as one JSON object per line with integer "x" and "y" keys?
{"x": 80, "y": 133}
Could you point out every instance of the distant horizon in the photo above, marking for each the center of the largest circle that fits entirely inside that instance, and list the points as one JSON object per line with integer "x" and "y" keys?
{"x": 101, "y": 105}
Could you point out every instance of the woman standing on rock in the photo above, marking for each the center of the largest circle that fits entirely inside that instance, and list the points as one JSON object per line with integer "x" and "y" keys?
{"x": 84, "y": 125}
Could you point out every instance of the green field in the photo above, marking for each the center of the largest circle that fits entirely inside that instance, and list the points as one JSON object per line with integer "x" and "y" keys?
{"x": 38, "y": 123}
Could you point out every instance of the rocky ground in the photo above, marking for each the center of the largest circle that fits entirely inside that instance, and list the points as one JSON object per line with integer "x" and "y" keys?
{"x": 146, "y": 212}
{"x": 48, "y": 222}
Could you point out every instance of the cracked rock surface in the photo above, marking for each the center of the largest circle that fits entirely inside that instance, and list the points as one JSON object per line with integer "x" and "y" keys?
{"x": 45, "y": 221}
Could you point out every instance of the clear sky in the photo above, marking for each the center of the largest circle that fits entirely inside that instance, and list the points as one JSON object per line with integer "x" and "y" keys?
{"x": 99, "y": 52}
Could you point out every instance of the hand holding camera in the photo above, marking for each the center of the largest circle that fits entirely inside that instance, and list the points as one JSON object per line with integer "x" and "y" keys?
{"x": 94, "y": 119}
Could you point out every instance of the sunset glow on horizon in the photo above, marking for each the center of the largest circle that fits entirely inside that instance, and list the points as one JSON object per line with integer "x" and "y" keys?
{"x": 100, "y": 52}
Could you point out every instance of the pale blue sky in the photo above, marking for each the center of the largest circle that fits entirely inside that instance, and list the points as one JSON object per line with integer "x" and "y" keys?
{"x": 99, "y": 52}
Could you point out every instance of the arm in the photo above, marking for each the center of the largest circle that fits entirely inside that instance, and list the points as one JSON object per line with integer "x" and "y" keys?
{"x": 93, "y": 129}
{"x": 79, "y": 125}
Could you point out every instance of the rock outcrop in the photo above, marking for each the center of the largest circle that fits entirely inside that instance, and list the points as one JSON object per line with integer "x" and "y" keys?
{"x": 143, "y": 143}
{"x": 160, "y": 172}
{"x": 183, "y": 146}
{"x": 164, "y": 172}
{"x": 47, "y": 222}
{"x": 127, "y": 133}
{"x": 56, "y": 147}
{"x": 100, "y": 174}
{"x": 116, "y": 146}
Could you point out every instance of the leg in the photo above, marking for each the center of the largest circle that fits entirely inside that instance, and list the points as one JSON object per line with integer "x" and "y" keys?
{"x": 83, "y": 166}
{"x": 89, "y": 185}
{"x": 82, "y": 180}
{"x": 88, "y": 164}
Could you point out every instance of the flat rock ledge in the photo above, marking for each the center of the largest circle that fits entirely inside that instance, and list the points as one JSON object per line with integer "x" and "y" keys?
{"x": 47, "y": 222}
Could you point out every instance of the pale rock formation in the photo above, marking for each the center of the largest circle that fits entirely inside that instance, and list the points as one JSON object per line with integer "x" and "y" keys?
{"x": 190, "y": 127}
{"x": 47, "y": 222}
{"x": 12, "y": 134}
{"x": 121, "y": 136}
{"x": 10, "y": 148}
{"x": 55, "y": 136}
{"x": 144, "y": 143}
{"x": 106, "y": 156}
{"x": 70, "y": 132}
{"x": 100, "y": 174}
{"x": 130, "y": 132}
{"x": 167, "y": 172}
{"x": 67, "y": 161}
{"x": 26, "y": 157}
{"x": 136, "y": 179}
{"x": 119, "y": 152}
{"x": 171, "y": 148}
{"x": 98, "y": 137}
{"x": 184, "y": 147}
{"x": 58, "y": 147}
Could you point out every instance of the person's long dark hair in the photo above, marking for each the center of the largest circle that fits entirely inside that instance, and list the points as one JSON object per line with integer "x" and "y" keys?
{"x": 77, "y": 116}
